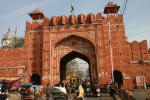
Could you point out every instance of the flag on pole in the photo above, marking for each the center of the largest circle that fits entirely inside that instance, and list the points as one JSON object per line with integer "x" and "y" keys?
{"x": 72, "y": 8}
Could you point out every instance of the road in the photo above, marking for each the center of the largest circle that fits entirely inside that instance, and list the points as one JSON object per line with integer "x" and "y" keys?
{"x": 104, "y": 97}
{"x": 99, "y": 98}
{"x": 17, "y": 97}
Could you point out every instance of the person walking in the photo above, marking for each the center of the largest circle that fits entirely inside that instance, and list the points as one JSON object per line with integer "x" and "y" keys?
{"x": 81, "y": 93}
{"x": 48, "y": 92}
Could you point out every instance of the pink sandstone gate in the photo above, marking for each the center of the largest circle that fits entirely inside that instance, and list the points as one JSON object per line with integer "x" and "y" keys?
{"x": 65, "y": 39}
{"x": 86, "y": 36}
{"x": 48, "y": 41}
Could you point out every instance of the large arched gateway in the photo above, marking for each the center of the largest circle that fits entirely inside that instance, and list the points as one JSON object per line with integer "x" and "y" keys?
{"x": 72, "y": 47}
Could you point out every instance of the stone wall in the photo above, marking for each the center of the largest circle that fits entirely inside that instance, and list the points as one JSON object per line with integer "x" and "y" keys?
{"x": 44, "y": 48}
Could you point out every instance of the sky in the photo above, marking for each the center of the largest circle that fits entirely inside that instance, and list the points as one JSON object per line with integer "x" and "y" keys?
{"x": 14, "y": 13}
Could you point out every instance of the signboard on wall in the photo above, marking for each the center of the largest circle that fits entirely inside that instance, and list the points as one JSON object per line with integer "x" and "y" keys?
{"x": 127, "y": 77}
{"x": 20, "y": 72}
{"x": 139, "y": 81}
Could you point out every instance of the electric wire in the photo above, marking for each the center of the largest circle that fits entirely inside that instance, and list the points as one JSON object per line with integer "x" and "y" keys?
{"x": 125, "y": 7}
{"x": 122, "y": 6}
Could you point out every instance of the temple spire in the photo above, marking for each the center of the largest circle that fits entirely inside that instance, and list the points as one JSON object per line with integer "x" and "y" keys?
{"x": 9, "y": 29}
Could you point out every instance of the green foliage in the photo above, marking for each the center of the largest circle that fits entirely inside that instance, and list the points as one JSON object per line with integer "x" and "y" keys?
{"x": 19, "y": 42}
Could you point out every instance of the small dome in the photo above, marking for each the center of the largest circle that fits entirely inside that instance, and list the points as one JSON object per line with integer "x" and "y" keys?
{"x": 111, "y": 4}
{"x": 37, "y": 11}
{"x": 111, "y": 7}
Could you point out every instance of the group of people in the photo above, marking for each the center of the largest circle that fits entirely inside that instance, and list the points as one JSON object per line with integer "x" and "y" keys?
{"x": 80, "y": 88}
{"x": 31, "y": 92}
{"x": 5, "y": 90}
{"x": 6, "y": 87}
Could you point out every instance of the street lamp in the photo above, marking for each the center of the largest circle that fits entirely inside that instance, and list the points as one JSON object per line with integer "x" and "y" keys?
{"x": 111, "y": 8}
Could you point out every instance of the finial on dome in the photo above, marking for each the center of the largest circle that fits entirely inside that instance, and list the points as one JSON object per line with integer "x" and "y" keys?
{"x": 9, "y": 29}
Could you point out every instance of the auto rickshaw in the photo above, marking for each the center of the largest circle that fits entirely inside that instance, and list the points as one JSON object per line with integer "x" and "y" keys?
{"x": 26, "y": 93}
{"x": 73, "y": 79}
{"x": 58, "y": 94}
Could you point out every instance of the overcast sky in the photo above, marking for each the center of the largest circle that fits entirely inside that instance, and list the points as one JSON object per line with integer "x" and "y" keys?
{"x": 15, "y": 13}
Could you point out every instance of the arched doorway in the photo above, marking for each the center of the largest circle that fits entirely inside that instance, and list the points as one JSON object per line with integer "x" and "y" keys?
{"x": 35, "y": 79}
{"x": 118, "y": 77}
{"x": 68, "y": 49}
{"x": 70, "y": 57}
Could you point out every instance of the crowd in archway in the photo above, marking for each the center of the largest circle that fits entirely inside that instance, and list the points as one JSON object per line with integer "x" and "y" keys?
{"x": 78, "y": 89}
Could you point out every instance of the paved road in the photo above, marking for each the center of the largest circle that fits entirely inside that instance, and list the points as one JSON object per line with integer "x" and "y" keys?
{"x": 99, "y": 98}
{"x": 104, "y": 97}
{"x": 141, "y": 94}
{"x": 17, "y": 97}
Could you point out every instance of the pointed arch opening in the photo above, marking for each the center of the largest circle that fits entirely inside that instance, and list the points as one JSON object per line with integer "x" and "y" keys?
{"x": 74, "y": 58}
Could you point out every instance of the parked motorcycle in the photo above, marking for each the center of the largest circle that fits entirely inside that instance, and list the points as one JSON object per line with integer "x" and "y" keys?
{"x": 98, "y": 92}
{"x": 97, "y": 89}
{"x": 88, "y": 91}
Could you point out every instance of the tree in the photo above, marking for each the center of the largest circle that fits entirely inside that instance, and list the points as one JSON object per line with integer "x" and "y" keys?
{"x": 19, "y": 42}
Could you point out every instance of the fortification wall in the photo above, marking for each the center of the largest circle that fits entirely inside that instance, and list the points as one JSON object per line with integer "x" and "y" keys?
{"x": 33, "y": 44}
{"x": 41, "y": 37}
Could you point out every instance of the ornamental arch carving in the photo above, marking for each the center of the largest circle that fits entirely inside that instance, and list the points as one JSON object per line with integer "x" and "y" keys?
{"x": 80, "y": 47}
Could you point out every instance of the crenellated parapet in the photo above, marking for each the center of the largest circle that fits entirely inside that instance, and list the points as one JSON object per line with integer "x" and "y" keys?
{"x": 90, "y": 18}
{"x": 81, "y": 19}
{"x": 114, "y": 20}
{"x": 11, "y": 52}
{"x": 63, "y": 21}
{"x": 144, "y": 50}
{"x": 72, "y": 22}
{"x": 11, "y": 57}
{"x": 139, "y": 50}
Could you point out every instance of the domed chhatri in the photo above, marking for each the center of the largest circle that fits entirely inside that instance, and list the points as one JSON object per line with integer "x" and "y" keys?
{"x": 8, "y": 35}
{"x": 37, "y": 14}
{"x": 111, "y": 7}
{"x": 8, "y": 39}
